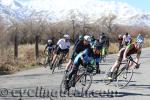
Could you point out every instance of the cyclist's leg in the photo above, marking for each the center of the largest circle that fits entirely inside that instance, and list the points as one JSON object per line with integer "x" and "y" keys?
{"x": 50, "y": 54}
{"x": 103, "y": 51}
{"x": 97, "y": 65}
{"x": 63, "y": 55}
{"x": 77, "y": 62}
{"x": 75, "y": 68}
{"x": 117, "y": 63}
{"x": 56, "y": 54}
{"x": 71, "y": 61}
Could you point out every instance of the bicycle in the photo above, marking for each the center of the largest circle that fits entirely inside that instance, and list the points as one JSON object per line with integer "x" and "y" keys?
{"x": 58, "y": 62}
{"x": 48, "y": 57}
{"x": 122, "y": 75}
{"x": 83, "y": 79}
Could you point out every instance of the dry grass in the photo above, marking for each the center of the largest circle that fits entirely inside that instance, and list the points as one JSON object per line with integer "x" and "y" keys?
{"x": 146, "y": 43}
{"x": 26, "y": 58}
{"x": 113, "y": 48}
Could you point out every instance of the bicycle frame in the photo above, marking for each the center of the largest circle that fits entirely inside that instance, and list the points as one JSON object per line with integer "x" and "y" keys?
{"x": 129, "y": 60}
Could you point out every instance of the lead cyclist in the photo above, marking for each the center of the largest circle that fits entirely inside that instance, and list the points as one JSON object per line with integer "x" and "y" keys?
{"x": 134, "y": 48}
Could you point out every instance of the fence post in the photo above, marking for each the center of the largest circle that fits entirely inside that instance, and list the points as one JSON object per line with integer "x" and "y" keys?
{"x": 15, "y": 47}
{"x": 73, "y": 26}
{"x": 37, "y": 48}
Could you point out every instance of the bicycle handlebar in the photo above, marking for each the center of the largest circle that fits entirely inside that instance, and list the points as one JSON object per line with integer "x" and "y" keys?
{"x": 131, "y": 59}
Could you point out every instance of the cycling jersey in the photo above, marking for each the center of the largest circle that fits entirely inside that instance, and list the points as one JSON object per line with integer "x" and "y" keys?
{"x": 87, "y": 55}
{"x": 63, "y": 44}
{"x": 49, "y": 46}
{"x": 126, "y": 39}
{"x": 132, "y": 50}
{"x": 78, "y": 48}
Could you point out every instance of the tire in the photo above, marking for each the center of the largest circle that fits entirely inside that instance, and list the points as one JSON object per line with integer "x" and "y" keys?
{"x": 124, "y": 77}
{"x": 105, "y": 80}
{"x": 84, "y": 82}
{"x": 63, "y": 85}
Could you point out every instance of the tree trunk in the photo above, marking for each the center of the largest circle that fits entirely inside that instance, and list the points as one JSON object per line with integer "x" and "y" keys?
{"x": 36, "y": 48}
{"x": 15, "y": 47}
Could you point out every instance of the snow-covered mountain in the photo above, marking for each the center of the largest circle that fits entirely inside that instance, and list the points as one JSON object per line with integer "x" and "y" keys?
{"x": 58, "y": 10}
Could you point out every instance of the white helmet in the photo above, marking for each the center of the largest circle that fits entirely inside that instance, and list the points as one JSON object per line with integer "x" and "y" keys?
{"x": 49, "y": 41}
{"x": 66, "y": 36}
{"x": 139, "y": 41}
{"x": 120, "y": 36}
{"x": 87, "y": 38}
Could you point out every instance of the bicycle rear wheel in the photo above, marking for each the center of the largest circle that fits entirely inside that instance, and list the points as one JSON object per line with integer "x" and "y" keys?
{"x": 124, "y": 77}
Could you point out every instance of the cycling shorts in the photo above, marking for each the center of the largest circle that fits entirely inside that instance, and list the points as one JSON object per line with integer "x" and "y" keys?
{"x": 59, "y": 50}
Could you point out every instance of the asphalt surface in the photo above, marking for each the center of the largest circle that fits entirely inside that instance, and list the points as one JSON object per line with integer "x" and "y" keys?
{"x": 40, "y": 84}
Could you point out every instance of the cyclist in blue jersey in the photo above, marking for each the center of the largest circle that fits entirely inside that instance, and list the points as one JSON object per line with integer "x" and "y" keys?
{"x": 83, "y": 58}
{"x": 80, "y": 46}
{"x": 49, "y": 46}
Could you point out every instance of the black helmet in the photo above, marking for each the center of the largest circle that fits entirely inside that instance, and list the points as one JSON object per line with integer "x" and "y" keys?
{"x": 103, "y": 33}
{"x": 127, "y": 33}
{"x": 97, "y": 46}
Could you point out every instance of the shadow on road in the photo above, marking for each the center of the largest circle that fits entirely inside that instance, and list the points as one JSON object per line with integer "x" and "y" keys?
{"x": 123, "y": 94}
{"x": 143, "y": 86}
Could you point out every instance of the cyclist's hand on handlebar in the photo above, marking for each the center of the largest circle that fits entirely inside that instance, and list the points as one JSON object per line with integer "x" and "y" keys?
{"x": 137, "y": 66}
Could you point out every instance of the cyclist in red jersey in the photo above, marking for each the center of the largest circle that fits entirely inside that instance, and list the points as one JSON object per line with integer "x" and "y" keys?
{"x": 125, "y": 52}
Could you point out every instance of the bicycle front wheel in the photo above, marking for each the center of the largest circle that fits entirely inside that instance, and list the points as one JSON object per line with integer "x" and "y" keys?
{"x": 63, "y": 85}
{"x": 55, "y": 65}
{"x": 84, "y": 82}
{"x": 124, "y": 77}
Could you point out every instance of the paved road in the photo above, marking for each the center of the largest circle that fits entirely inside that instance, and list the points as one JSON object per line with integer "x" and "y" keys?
{"x": 34, "y": 82}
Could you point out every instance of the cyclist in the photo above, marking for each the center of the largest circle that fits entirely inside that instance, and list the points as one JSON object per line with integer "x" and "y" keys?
{"x": 140, "y": 37}
{"x": 49, "y": 47}
{"x": 125, "y": 52}
{"x": 83, "y": 58}
{"x": 83, "y": 43}
{"x": 92, "y": 41}
{"x": 80, "y": 38}
{"x": 104, "y": 41}
{"x": 126, "y": 39}
{"x": 62, "y": 46}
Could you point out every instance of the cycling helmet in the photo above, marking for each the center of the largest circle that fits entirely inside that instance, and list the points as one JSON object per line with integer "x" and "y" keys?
{"x": 120, "y": 36}
{"x": 139, "y": 41}
{"x": 92, "y": 38}
{"x": 49, "y": 41}
{"x": 97, "y": 46}
{"x": 103, "y": 33}
{"x": 87, "y": 38}
{"x": 127, "y": 33}
{"x": 81, "y": 37}
{"x": 66, "y": 36}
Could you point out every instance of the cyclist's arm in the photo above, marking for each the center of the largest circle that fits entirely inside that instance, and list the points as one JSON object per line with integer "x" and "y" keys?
{"x": 138, "y": 57}
{"x": 84, "y": 53}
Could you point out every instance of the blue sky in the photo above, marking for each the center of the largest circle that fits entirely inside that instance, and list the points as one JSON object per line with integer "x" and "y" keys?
{"x": 144, "y": 5}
